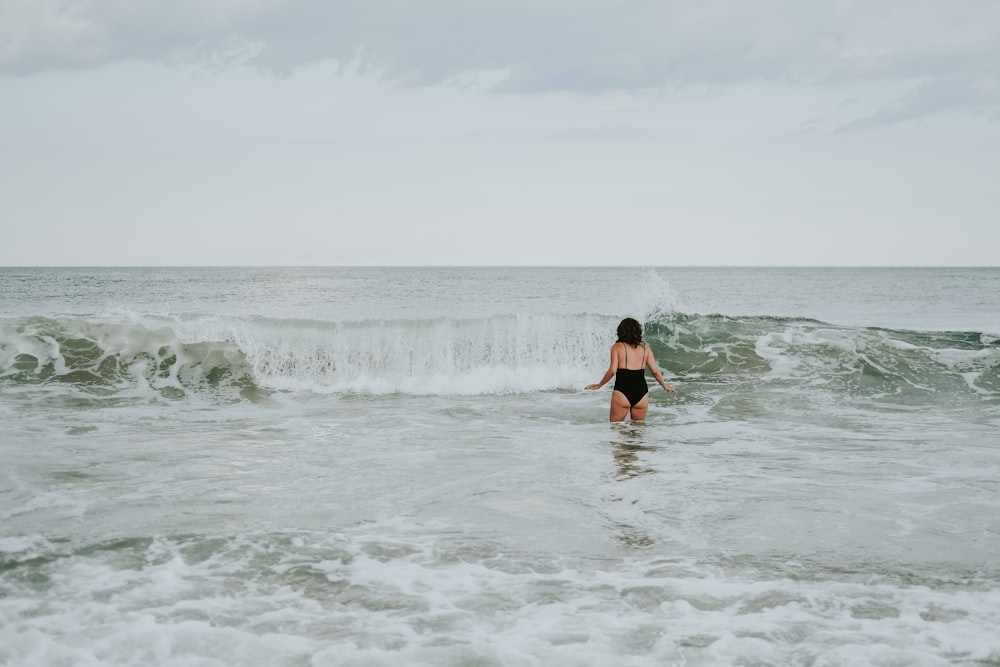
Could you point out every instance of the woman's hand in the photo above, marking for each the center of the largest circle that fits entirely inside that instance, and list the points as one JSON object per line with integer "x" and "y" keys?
{"x": 592, "y": 387}
{"x": 668, "y": 387}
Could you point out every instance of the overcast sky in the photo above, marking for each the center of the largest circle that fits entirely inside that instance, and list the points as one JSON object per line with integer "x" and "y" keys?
{"x": 468, "y": 132}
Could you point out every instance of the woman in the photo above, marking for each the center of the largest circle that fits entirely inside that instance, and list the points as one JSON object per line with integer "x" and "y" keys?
{"x": 629, "y": 358}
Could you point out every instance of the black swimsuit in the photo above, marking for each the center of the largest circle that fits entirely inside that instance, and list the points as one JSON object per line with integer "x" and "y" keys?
{"x": 632, "y": 383}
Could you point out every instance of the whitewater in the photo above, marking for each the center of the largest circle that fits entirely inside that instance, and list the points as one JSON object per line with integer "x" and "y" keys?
{"x": 400, "y": 466}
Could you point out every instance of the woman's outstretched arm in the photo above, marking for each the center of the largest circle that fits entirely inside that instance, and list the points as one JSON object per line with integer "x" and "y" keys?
{"x": 612, "y": 369}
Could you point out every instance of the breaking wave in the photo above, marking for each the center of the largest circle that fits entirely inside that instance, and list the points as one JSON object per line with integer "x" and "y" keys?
{"x": 234, "y": 356}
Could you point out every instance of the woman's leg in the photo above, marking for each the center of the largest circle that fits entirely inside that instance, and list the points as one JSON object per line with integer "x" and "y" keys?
{"x": 619, "y": 406}
{"x": 640, "y": 409}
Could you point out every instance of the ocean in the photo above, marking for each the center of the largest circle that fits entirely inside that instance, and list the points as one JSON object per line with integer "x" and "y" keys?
{"x": 400, "y": 466}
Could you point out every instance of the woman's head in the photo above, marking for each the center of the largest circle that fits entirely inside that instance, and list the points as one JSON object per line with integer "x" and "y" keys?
{"x": 630, "y": 332}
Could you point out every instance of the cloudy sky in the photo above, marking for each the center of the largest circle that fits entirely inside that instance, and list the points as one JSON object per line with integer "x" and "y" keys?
{"x": 511, "y": 132}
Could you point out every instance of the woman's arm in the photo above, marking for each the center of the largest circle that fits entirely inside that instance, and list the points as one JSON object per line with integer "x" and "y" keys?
{"x": 612, "y": 369}
{"x": 654, "y": 368}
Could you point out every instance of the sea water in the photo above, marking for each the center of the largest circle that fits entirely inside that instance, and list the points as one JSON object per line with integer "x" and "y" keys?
{"x": 399, "y": 466}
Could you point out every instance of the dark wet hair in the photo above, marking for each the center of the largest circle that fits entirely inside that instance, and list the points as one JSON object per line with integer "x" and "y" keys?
{"x": 630, "y": 332}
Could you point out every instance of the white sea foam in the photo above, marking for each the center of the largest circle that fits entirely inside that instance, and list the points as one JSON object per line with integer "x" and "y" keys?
{"x": 42, "y": 504}
{"x": 378, "y": 596}
{"x": 496, "y": 355}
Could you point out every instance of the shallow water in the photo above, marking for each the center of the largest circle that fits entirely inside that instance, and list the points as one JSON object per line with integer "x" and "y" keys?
{"x": 399, "y": 467}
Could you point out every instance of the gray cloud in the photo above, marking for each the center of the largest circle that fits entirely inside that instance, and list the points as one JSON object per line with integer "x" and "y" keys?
{"x": 949, "y": 50}
{"x": 950, "y": 91}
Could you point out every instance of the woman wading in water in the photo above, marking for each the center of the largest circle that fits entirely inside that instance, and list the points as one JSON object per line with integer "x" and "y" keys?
{"x": 629, "y": 358}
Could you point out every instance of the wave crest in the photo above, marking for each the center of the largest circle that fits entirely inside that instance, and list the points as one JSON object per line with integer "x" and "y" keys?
{"x": 494, "y": 355}
{"x": 500, "y": 354}
{"x": 106, "y": 355}
{"x": 846, "y": 360}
